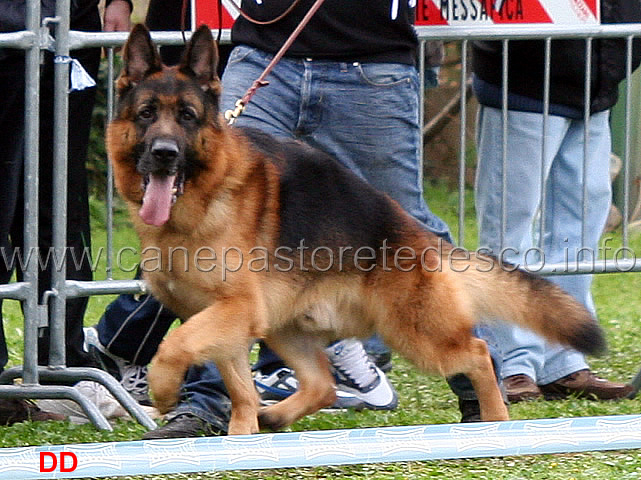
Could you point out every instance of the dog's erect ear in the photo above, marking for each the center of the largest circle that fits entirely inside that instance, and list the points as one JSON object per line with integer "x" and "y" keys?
{"x": 140, "y": 57}
{"x": 201, "y": 59}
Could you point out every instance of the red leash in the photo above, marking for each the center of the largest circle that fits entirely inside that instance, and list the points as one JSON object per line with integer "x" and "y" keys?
{"x": 232, "y": 115}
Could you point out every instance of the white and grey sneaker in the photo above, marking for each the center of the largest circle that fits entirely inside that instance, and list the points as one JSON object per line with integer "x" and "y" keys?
{"x": 134, "y": 380}
{"x": 359, "y": 383}
{"x": 132, "y": 377}
{"x": 281, "y": 383}
{"x": 357, "y": 375}
{"x": 276, "y": 386}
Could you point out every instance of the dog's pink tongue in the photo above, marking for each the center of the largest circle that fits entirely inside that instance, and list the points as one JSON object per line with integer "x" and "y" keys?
{"x": 156, "y": 204}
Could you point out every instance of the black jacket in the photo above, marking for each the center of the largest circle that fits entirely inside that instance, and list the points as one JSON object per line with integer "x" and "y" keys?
{"x": 363, "y": 30}
{"x": 567, "y": 69}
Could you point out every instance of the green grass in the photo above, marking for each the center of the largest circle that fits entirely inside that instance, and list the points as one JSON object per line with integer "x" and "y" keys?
{"x": 423, "y": 399}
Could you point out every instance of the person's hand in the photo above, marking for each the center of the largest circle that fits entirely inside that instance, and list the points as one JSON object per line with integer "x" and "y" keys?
{"x": 117, "y": 17}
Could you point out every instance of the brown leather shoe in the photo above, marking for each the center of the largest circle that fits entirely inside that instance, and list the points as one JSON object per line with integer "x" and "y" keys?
{"x": 585, "y": 384}
{"x": 15, "y": 410}
{"x": 520, "y": 387}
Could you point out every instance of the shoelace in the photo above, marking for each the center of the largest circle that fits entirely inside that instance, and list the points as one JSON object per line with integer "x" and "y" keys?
{"x": 352, "y": 361}
{"x": 134, "y": 379}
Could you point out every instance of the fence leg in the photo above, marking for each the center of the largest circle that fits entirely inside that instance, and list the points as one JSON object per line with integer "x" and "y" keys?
{"x": 57, "y": 392}
{"x": 77, "y": 374}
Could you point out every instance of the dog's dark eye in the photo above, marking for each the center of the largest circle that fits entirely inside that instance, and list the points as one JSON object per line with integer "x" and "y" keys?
{"x": 188, "y": 114}
{"x": 146, "y": 113}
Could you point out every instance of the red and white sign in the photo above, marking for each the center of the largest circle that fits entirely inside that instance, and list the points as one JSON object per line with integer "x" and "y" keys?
{"x": 452, "y": 12}
{"x": 206, "y": 12}
{"x": 496, "y": 12}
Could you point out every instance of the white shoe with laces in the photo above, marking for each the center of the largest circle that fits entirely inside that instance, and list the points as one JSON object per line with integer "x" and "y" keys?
{"x": 357, "y": 375}
{"x": 132, "y": 377}
{"x": 360, "y": 384}
{"x": 282, "y": 383}
{"x": 134, "y": 380}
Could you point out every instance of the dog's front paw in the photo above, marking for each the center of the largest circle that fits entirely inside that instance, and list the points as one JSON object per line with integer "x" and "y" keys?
{"x": 269, "y": 419}
{"x": 164, "y": 392}
{"x": 164, "y": 404}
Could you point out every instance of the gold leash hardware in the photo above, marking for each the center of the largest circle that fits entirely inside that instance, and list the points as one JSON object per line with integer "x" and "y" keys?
{"x": 232, "y": 115}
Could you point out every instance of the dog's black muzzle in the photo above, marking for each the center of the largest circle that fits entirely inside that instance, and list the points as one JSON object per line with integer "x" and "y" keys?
{"x": 164, "y": 151}
{"x": 163, "y": 157}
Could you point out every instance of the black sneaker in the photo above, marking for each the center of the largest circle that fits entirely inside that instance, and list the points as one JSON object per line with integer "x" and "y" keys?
{"x": 470, "y": 410}
{"x": 184, "y": 425}
{"x": 15, "y": 410}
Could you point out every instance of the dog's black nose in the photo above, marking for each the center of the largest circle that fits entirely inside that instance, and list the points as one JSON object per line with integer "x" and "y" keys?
{"x": 164, "y": 150}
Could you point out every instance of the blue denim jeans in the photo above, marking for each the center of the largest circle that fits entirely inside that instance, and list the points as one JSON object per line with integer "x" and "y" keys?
{"x": 562, "y": 169}
{"x": 365, "y": 115}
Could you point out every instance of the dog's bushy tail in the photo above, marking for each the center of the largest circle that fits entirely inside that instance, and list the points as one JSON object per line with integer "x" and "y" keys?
{"x": 532, "y": 302}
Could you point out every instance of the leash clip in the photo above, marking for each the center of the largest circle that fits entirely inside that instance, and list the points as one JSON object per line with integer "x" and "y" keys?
{"x": 232, "y": 115}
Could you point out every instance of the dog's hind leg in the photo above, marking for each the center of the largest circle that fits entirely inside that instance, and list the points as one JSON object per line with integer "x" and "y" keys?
{"x": 431, "y": 324}
{"x": 476, "y": 363}
{"x": 316, "y": 389}
{"x": 221, "y": 333}
{"x": 459, "y": 353}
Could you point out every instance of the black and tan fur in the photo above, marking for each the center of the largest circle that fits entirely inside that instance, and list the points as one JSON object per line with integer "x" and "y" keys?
{"x": 237, "y": 189}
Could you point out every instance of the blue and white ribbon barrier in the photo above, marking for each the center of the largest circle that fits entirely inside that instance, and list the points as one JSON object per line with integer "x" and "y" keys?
{"x": 323, "y": 448}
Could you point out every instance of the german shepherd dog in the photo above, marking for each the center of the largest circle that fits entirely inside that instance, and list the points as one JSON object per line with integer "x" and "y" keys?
{"x": 248, "y": 237}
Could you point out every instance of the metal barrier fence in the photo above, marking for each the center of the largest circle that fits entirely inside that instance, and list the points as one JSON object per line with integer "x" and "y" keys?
{"x": 33, "y": 39}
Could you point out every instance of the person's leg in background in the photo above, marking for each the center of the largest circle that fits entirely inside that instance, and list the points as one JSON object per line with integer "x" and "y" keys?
{"x": 391, "y": 167}
{"x": 12, "y": 125}
{"x": 564, "y": 224}
{"x": 11, "y": 163}
{"x": 525, "y": 354}
{"x": 567, "y": 233}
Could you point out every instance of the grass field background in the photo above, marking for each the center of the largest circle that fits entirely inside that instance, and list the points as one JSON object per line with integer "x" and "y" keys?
{"x": 423, "y": 399}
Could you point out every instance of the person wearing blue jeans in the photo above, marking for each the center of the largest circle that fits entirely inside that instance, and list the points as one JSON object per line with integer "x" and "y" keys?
{"x": 531, "y": 366}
